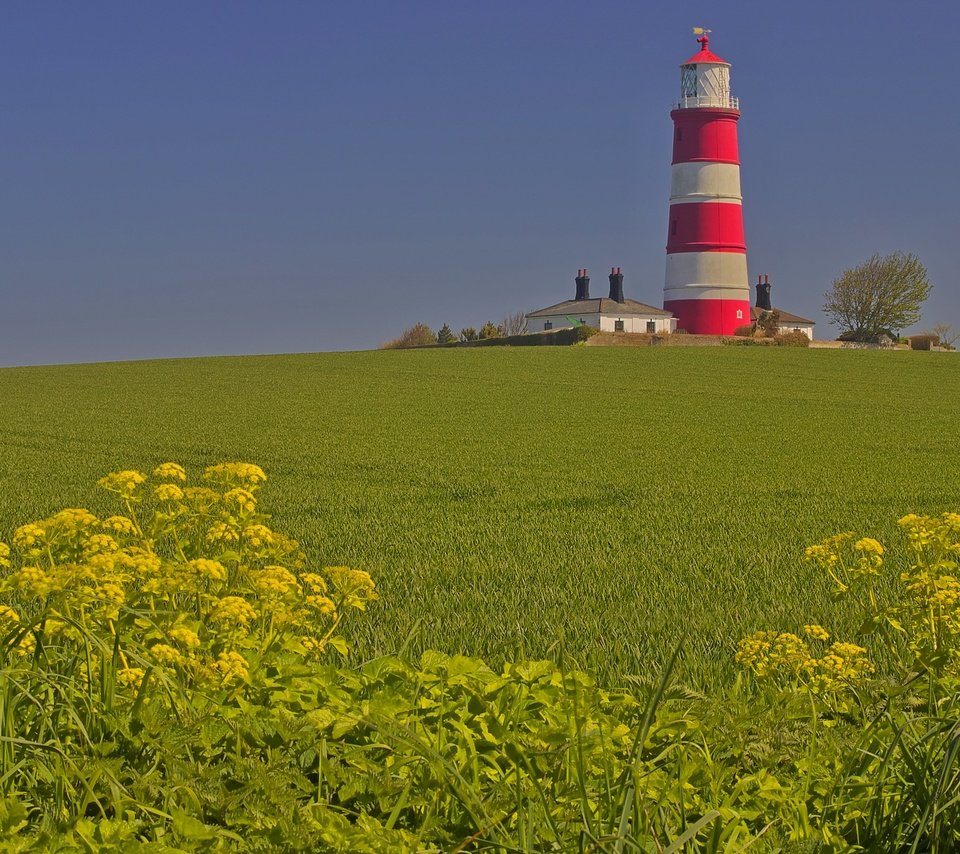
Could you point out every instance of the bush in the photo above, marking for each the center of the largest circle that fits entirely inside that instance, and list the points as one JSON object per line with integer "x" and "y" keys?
{"x": 170, "y": 642}
{"x": 736, "y": 341}
{"x": 167, "y": 682}
{"x": 418, "y": 335}
{"x": 745, "y": 331}
{"x": 792, "y": 339}
{"x": 489, "y": 330}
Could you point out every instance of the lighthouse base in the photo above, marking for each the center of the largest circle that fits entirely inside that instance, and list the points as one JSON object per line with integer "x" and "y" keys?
{"x": 709, "y": 316}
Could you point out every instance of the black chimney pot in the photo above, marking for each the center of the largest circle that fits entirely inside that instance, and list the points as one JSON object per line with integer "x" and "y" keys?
{"x": 583, "y": 285}
{"x": 616, "y": 284}
{"x": 763, "y": 294}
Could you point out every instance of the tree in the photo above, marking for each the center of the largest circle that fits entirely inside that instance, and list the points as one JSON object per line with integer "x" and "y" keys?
{"x": 769, "y": 323}
{"x": 445, "y": 335}
{"x": 468, "y": 333}
{"x": 883, "y": 294}
{"x": 514, "y": 324}
{"x": 418, "y": 335}
{"x": 488, "y": 330}
{"x": 946, "y": 335}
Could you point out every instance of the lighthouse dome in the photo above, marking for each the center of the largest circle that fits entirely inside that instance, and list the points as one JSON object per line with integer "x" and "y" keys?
{"x": 705, "y": 80}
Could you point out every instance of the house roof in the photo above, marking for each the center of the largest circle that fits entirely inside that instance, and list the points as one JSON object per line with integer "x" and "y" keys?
{"x": 785, "y": 317}
{"x": 603, "y": 305}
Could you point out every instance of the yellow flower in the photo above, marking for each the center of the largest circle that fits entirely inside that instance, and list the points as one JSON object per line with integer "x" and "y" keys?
{"x": 73, "y": 519}
{"x": 33, "y": 581}
{"x": 258, "y": 536}
{"x": 868, "y": 545}
{"x": 231, "y": 665}
{"x": 316, "y": 583}
{"x": 233, "y": 609}
{"x": 313, "y": 646}
{"x": 184, "y": 636}
{"x": 348, "y": 580}
{"x": 124, "y": 483}
{"x": 130, "y": 677}
{"x": 221, "y": 532}
{"x": 211, "y": 569}
{"x": 323, "y": 604}
{"x": 816, "y": 632}
{"x": 242, "y": 499}
{"x": 274, "y": 580}
{"x": 4, "y": 555}
{"x": 28, "y": 536}
{"x": 8, "y": 615}
{"x": 112, "y": 593}
{"x": 243, "y": 474}
{"x": 168, "y": 492}
{"x": 166, "y": 654}
{"x": 772, "y": 653}
{"x": 201, "y": 496}
{"x": 27, "y": 644}
{"x": 119, "y": 525}
{"x": 100, "y": 544}
{"x": 170, "y": 471}
{"x": 143, "y": 563}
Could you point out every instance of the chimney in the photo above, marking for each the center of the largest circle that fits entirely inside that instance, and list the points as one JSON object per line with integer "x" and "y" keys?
{"x": 583, "y": 284}
{"x": 616, "y": 284}
{"x": 763, "y": 293}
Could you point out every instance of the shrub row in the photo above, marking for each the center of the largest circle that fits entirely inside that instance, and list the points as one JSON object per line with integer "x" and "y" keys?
{"x": 565, "y": 337}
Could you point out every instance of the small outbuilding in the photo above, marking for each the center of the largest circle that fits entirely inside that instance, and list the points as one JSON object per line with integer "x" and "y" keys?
{"x": 614, "y": 313}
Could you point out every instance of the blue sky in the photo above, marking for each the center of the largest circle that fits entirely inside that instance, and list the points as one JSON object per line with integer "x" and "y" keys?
{"x": 189, "y": 178}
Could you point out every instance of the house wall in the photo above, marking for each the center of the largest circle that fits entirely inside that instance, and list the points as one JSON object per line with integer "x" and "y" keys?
{"x": 636, "y": 323}
{"x": 805, "y": 328}
{"x": 605, "y": 322}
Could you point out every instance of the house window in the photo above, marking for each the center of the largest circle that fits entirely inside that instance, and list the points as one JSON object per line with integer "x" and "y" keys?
{"x": 673, "y": 227}
{"x": 618, "y": 326}
{"x": 548, "y": 325}
{"x": 739, "y": 314}
{"x": 651, "y": 326}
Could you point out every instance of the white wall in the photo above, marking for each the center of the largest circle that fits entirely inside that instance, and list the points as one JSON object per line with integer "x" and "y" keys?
{"x": 806, "y": 329}
{"x": 605, "y": 323}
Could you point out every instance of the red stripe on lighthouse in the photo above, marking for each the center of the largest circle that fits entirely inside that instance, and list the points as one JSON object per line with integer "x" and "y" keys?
{"x": 710, "y": 316}
{"x": 706, "y": 227}
{"x": 705, "y": 134}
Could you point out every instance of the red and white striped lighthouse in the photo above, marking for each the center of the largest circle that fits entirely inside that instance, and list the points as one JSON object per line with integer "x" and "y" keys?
{"x": 706, "y": 284}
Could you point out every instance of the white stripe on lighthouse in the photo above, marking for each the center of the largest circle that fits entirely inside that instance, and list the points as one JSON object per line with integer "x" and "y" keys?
{"x": 698, "y": 270}
{"x": 705, "y": 182}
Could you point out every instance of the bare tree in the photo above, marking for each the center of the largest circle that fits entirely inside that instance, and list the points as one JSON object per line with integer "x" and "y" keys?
{"x": 514, "y": 324}
{"x": 946, "y": 334}
{"x": 884, "y": 294}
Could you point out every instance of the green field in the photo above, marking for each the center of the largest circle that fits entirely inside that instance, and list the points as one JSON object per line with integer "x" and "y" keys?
{"x": 604, "y": 501}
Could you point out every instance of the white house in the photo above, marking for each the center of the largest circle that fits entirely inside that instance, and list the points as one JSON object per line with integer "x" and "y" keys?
{"x": 608, "y": 314}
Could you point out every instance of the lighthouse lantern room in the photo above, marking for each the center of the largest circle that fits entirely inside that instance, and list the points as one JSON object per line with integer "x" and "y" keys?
{"x": 706, "y": 283}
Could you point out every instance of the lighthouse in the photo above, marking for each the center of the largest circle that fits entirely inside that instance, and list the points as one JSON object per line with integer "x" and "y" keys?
{"x": 706, "y": 284}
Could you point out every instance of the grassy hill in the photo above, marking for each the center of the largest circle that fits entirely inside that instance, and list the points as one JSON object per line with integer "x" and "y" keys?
{"x": 604, "y": 501}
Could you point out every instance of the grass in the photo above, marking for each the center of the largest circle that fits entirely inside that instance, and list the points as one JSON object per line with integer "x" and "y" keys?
{"x": 514, "y": 501}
